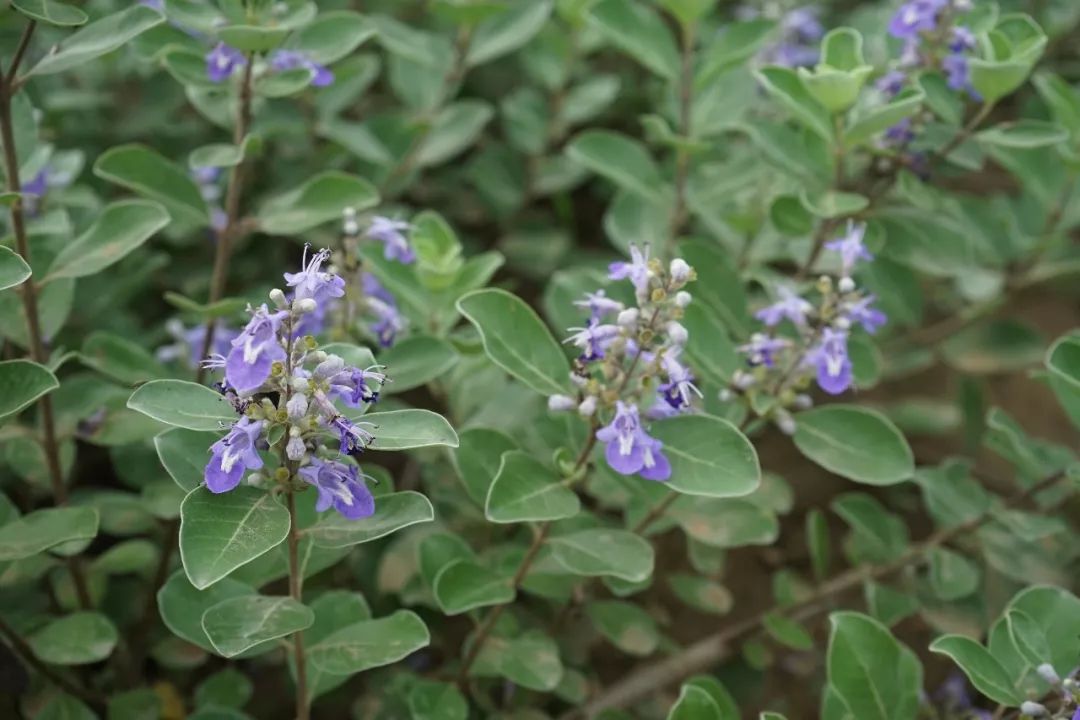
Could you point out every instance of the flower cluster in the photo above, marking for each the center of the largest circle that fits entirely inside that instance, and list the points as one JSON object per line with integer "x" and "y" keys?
{"x": 799, "y": 32}
{"x": 223, "y": 61}
{"x": 629, "y": 364}
{"x": 285, "y": 390}
{"x": 782, "y": 366}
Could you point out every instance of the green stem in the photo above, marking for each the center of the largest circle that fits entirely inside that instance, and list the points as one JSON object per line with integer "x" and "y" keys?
{"x": 296, "y": 592}
{"x": 682, "y": 155}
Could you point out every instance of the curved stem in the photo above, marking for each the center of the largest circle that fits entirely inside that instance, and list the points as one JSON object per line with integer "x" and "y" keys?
{"x": 233, "y": 225}
{"x": 716, "y": 647}
{"x": 965, "y": 132}
{"x": 29, "y": 294}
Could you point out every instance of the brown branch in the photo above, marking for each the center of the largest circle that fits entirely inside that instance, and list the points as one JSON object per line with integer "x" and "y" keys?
{"x": 716, "y": 647}
{"x": 23, "y": 650}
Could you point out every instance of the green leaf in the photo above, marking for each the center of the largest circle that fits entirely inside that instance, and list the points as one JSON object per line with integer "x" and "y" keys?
{"x": 464, "y": 585}
{"x": 410, "y": 428}
{"x": 817, "y": 542}
{"x": 726, "y": 522}
{"x": 831, "y": 204}
{"x": 21, "y": 383}
{"x": 50, "y": 11}
{"x": 354, "y": 355}
{"x": 44, "y": 529}
{"x": 784, "y": 85}
{"x": 182, "y": 605}
{"x": 870, "y": 672}
{"x": 98, "y": 38}
{"x": 65, "y": 707}
{"x": 147, "y": 172}
{"x": 455, "y": 128}
{"x": 332, "y": 36}
{"x": 856, "y": 443}
{"x": 1027, "y": 637}
{"x": 516, "y": 340}
{"x": 392, "y": 513}
{"x": 319, "y": 200}
{"x": 709, "y": 456}
{"x": 952, "y": 576}
{"x": 429, "y": 700}
{"x": 1057, "y": 613}
{"x": 120, "y": 228}
{"x": 712, "y": 353}
{"x": 701, "y": 593}
{"x": 1024, "y": 134}
{"x": 228, "y": 688}
{"x": 13, "y": 269}
{"x": 628, "y": 627}
{"x": 639, "y": 31}
{"x": 788, "y": 632}
{"x": 602, "y": 552}
{"x": 222, "y": 155}
{"x": 622, "y": 160}
{"x": 370, "y": 643}
{"x": 416, "y": 361}
{"x": 737, "y": 43}
{"x": 719, "y": 694}
{"x": 694, "y": 703}
{"x": 866, "y": 126}
{"x": 888, "y": 606}
{"x": 985, "y": 673}
{"x": 525, "y": 490}
{"x": 184, "y": 454}
{"x": 1063, "y": 363}
{"x": 119, "y": 358}
{"x": 183, "y": 404}
{"x": 77, "y": 639}
{"x": 531, "y": 660}
{"x": 219, "y": 533}
{"x": 236, "y": 624}
{"x": 507, "y": 31}
{"x": 478, "y": 459}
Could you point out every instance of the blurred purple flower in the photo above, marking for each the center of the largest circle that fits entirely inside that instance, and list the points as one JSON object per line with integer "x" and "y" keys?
{"x": 222, "y": 62}
{"x": 391, "y": 233}
{"x": 850, "y": 247}
{"x": 789, "y": 306}
{"x": 282, "y": 60}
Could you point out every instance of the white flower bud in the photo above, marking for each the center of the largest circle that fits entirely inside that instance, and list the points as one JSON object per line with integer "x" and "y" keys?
{"x": 677, "y": 333}
{"x": 349, "y": 224}
{"x": 628, "y": 318}
{"x": 842, "y": 322}
{"x": 786, "y": 423}
{"x": 1033, "y": 709}
{"x": 307, "y": 305}
{"x": 278, "y": 298}
{"x": 587, "y": 406}
{"x": 329, "y": 367}
{"x": 680, "y": 270}
{"x": 725, "y": 395}
{"x": 561, "y": 403}
{"x": 846, "y": 285}
{"x": 578, "y": 380}
{"x": 317, "y": 356}
{"x": 682, "y": 298}
{"x": 1046, "y": 672}
{"x": 742, "y": 380}
{"x": 255, "y": 479}
{"x": 963, "y": 6}
{"x": 297, "y": 406}
{"x": 295, "y": 449}
{"x": 803, "y": 402}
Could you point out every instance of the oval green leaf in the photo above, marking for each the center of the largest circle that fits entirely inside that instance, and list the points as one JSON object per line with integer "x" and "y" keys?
{"x": 856, "y": 443}
{"x": 183, "y": 404}
{"x": 392, "y": 513}
{"x": 526, "y": 490}
{"x": 236, "y": 624}
{"x": 709, "y": 456}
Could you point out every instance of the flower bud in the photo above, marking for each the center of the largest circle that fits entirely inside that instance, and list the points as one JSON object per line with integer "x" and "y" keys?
{"x": 587, "y": 406}
{"x": 786, "y": 423}
{"x": 803, "y": 402}
{"x": 297, "y": 406}
{"x": 680, "y": 270}
{"x": 299, "y": 384}
{"x": 742, "y": 380}
{"x": 349, "y": 224}
{"x": 561, "y": 403}
{"x": 846, "y": 284}
{"x": 725, "y": 395}
{"x": 1046, "y": 672}
{"x": 842, "y": 322}
{"x": 306, "y": 305}
{"x": 1033, "y": 709}
{"x": 329, "y": 367}
{"x": 682, "y": 298}
{"x": 578, "y": 380}
{"x": 295, "y": 448}
{"x": 677, "y": 333}
{"x": 628, "y": 318}
{"x": 278, "y": 297}
{"x": 318, "y": 356}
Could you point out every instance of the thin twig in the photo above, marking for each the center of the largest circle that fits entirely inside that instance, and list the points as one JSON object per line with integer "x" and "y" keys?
{"x": 965, "y": 132}
{"x": 716, "y": 647}
{"x": 29, "y": 293}
{"x": 234, "y": 227}
{"x": 23, "y": 650}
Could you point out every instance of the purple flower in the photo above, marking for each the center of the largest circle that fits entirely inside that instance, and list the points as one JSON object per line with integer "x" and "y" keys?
{"x": 388, "y": 319}
{"x": 391, "y": 233}
{"x": 850, "y": 247}
{"x": 762, "y": 349}
{"x": 189, "y": 342}
{"x": 1076, "y": 715}
{"x": 900, "y": 134}
{"x": 233, "y": 455}
{"x": 962, "y": 39}
{"x": 630, "y": 450}
{"x": 830, "y": 357}
{"x": 352, "y": 437}
{"x": 254, "y": 351}
{"x": 593, "y": 340}
{"x": 599, "y": 305}
{"x": 868, "y": 317}
{"x": 789, "y": 306}
{"x": 803, "y": 24}
{"x": 282, "y": 60}
{"x": 637, "y": 270}
{"x": 339, "y": 485}
{"x": 957, "y": 74}
{"x": 355, "y": 386}
{"x": 891, "y": 82}
{"x": 222, "y": 62}
{"x": 915, "y": 17}
{"x": 800, "y": 31}
{"x": 311, "y": 282}
{"x": 680, "y": 381}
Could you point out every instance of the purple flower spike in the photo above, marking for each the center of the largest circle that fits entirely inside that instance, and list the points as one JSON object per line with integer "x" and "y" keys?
{"x": 222, "y": 62}
{"x": 593, "y": 340}
{"x": 958, "y": 74}
{"x": 832, "y": 361}
{"x": 233, "y": 455}
{"x": 851, "y": 247}
{"x": 282, "y": 60}
{"x": 339, "y": 486}
{"x": 391, "y": 233}
{"x": 789, "y": 306}
{"x": 253, "y": 353}
{"x": 311, "y": 282}
{"x": 630, "y": 450}
{"x": 637, "y": 270}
